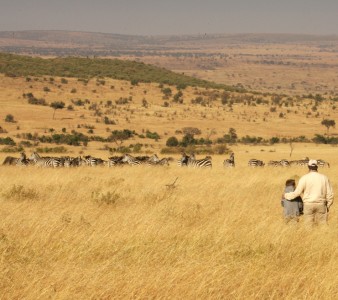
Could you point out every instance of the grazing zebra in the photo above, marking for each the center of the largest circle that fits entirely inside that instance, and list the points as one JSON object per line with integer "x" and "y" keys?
{"x": 300, "y": 162}
{"x": 115, "y": 160}
{"x": 163, "y": 161}
{"x": 255, "y": 163}
{"x": 273, "y": 163}
{"x": 131, "y": 160}
{"x": 284, "y": 163}
{"x": 191, "y": 161}
{"x": 39, "y": 161}
{"x": 322, "y": 163}
{"x": 72, "y": 161}
{"x": 201, "y": 163}
{"x": 93, "y": 161}
{"x": 14, "y": 161}
{"x": 230, "y": 162}
{"x": 279, "y": 163}
{"x": 153, "y": 159}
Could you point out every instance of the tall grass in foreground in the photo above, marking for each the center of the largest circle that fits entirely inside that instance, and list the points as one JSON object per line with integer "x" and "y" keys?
{"x": 97, "y": 233}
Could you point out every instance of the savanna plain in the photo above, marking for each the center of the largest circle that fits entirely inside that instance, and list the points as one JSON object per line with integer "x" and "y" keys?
{"x": 165, "y": 232}
{"x": 126, "y": 233}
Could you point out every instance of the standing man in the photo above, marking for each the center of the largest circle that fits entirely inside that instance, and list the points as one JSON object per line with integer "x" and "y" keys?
{"x": 318, "y": 195}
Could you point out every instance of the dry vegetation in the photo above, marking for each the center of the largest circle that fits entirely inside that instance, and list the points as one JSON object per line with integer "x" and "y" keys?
{"x": 121, "y": 233}
{"x": 144, "y": 107}
{"x": 97, "y": 233}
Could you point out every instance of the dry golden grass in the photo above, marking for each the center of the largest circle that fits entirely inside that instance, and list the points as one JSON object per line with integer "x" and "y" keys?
{"x": 120, "y": 233}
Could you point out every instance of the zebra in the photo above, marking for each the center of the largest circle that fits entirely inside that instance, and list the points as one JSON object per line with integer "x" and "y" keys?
{"x": 301, "y": 162}
{"x": 201, "y": 163}
{"x": 163, "y": 161}
{"x": 130, "y": 160}
{"x": 279, "y": 163}
{"x": 284, "y": 163}
{"x": 39, "y": 161}
{"x": 255, "y": 163}
{"x": 71, "y": 161}
{"x": 93, "y": 161}
{"x": 115, "y": 160}
{"x": 191, "y": 161}
{"x": 153, "y": 159}
{"x": 322, "y": 163}
{"x": 230, "y": 162}
{"x": 143, "y": 158}
{"x": 273, "y": 163}
{"x": 14, "y": 161}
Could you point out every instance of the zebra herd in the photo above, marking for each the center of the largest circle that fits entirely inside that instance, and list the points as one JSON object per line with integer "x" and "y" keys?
{"x": 154, "y": 160}
{"x": 88, "y": 160}
{"x": 286, "y": 163}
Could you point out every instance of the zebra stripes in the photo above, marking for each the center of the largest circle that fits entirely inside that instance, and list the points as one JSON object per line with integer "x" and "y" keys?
{"x": 115, "y": 160}
{"x": 191, "y": 161}
{"x": 256, "y": 163}
{"x": 143, "y": 160}
{"x": 72, "y": 161}
{"x": 131, "y": 160}
{"x": 93, "y": 161}
{"x": 322, "y": 163}
{"x": 39, "y": 161}
{"x": 278, "y": 163}
{"x": 300, "y": 162}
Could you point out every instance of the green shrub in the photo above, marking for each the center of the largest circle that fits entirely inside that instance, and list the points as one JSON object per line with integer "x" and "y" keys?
{"x": 7, "y": 141}
{"x": 152, "y": 135}
{"x": 172, "y": 142}
{"x": 12, "y": 149}
{"x": 10, "y": 118}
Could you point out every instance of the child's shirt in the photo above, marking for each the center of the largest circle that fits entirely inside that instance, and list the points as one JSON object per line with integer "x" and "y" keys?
{"x": 294, "y": 207}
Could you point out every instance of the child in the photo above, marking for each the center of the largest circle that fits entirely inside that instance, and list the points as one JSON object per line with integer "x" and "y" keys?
{"x": 292, "y": 208}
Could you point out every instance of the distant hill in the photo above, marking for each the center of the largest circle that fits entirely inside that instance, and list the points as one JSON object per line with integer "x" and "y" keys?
{"x": 17, "y": 65}
{"x": 65, "y": 43}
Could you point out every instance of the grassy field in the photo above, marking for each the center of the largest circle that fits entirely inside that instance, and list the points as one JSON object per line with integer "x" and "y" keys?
{"x": 121, "y": 233}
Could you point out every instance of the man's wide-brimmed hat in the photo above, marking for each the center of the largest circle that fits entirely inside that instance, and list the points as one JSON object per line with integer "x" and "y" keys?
{"x": 312, "y": 163}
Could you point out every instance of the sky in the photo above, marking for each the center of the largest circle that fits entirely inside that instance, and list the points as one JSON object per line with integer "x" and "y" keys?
{"x": 172, "y": 17}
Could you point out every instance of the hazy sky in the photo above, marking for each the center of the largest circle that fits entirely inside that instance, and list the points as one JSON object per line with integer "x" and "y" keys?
{"x": 153, "y": 17}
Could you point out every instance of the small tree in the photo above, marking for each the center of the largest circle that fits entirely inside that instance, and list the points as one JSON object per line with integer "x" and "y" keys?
{"x": 233, "y": 134}
{"x": 167, "y": 92}
{"x": 172, "y": 142}
{"x": 328, "y": 123}
{"x": 57, "y": 105}
{"x": 9, "y": 118}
